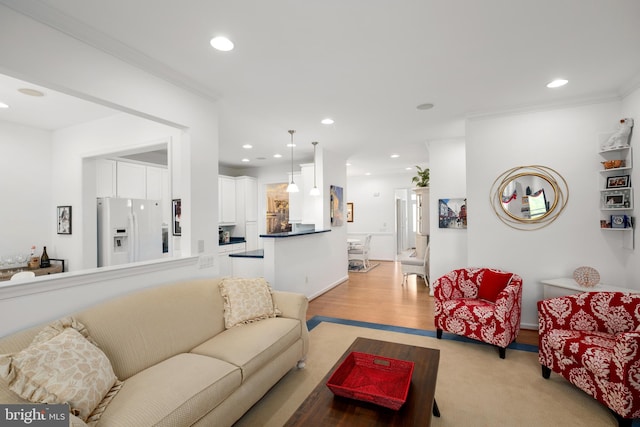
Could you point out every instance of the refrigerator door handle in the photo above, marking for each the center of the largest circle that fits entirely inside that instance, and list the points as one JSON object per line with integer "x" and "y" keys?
{"x": 130, "y": 220}
{"x": 136, "y": 238}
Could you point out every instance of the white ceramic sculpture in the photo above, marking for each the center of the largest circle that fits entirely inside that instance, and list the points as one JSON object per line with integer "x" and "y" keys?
{"x": 620, "y": 138}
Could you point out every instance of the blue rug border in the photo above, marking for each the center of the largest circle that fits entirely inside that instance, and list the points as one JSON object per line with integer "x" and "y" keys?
{"x": 316, "y": 320}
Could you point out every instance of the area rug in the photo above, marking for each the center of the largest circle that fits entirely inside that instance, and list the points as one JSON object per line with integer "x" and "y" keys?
{"x": 358, "y": 267}
{"x": 475, "y": 387}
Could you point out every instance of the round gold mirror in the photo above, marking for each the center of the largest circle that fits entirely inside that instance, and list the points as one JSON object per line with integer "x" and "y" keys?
{"x": 529, "y": 197}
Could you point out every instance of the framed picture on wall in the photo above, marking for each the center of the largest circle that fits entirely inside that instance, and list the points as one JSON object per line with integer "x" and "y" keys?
{"x": 336, "y": 206}
{"x": 176, "y": 214}
{"x": 64, "y": 219}
{"x": 349, "y": 212}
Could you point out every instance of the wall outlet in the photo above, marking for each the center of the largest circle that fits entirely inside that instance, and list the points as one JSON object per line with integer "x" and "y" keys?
{"x": 206, "y": 261}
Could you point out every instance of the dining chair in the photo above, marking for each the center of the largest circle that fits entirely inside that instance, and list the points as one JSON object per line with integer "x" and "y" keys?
{"x": 415, "y": 265}
{"x": 360, "y": 252}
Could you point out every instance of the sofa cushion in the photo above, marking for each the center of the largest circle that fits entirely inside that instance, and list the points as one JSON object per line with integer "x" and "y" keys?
{"x": 253, "y": 346}
{"x": 61, "y": 365}
{"x": 175, "y": 392}
{"x": 246, "y": 300}
{"x": 469, "y": 310}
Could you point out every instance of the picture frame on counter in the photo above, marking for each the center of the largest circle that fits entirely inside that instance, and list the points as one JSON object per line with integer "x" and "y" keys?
{"x": 63, "y": 219}
{"x": 176, "y": 215}
{"x": 618, "y": 181}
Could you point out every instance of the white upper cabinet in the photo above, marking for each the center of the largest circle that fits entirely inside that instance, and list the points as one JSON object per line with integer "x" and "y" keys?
{"x": 226, "y": 200}
{"x": 106, "y": 178}
{"x": 131, "y": 180}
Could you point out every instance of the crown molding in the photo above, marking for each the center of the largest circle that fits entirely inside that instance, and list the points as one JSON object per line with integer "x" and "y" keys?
{"x": 54, "y": 18}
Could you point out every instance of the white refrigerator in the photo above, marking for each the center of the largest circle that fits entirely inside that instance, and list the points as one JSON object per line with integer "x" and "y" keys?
{"x": 129, "y": 230}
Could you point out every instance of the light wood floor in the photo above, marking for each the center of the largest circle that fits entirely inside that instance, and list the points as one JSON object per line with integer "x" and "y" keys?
{"x": 379, "y": 297}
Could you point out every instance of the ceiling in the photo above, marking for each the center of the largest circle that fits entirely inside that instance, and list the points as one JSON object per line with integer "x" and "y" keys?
{"x": 367, "y": 64}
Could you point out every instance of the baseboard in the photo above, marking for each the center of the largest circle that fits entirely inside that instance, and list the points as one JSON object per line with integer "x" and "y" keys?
{"x": 328, "y": 288}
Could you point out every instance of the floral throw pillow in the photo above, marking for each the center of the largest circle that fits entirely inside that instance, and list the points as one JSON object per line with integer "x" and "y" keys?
{"x": 246, "y": 301}
{"x": 62, "y": 365}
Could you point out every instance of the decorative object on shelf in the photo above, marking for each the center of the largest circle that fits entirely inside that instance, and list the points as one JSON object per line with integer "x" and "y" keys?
{"x": 620, "y": 138}
{"x": 336, "y": 206}
{"x": 529, "y": 197}
{"x": 422, "y": 178}
{"x": 586, "y": 276}
{"x": 349, "y": 212}
{"x": 292, "y": 187}
{"x": 616, "y": 199}
{"x": 452, "y": 213}
{"x": 64, "y": 219}
{"x": 613, "y": 164}
{"x": 177, "y": 216}
{"x": 618, "y": 181}
{"x": 314, "y": 191}
{"x": 620, "y": 221}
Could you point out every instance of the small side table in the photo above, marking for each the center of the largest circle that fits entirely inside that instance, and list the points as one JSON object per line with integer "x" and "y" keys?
{"x": 567, "y": 286}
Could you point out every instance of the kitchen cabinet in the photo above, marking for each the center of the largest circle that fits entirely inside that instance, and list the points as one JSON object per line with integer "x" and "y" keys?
{"x": 131, "y": 180}
{"x": 247, "y": 211}
{"x": 226, "y": 200}
{"x": 296, "y": 199}
{"x": 225, "y": 263}
{"x": 106, "y": 183}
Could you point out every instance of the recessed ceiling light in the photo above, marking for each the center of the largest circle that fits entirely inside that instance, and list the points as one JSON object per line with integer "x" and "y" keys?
{"x": 557, "y": 83}
{"x": 368, "y": 173}
{"x": 327, "y": 121}
{"x": 222, "y": 43}
{"x": 245, "y": 160}
{"x": 408, "y": 168}
{"x": 348, "y": 164}
{"x": 247, "y": 146}
{"x": 395, "y": 156}
{"x": 3, "y": 105}
{"x": 425, "y": 106}
{"x": 30, "y": 92}
{"x": 277, "y": 156}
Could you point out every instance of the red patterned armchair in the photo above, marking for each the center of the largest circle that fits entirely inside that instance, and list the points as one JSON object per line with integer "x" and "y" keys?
{"x": 479, "y": 303}
{"x": 593, "y": 340}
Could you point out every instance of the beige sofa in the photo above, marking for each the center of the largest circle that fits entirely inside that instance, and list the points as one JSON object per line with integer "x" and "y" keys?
{"x": 179, "y": 364}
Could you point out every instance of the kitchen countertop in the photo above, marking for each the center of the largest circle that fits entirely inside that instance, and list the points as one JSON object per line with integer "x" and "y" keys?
{"x": 293, "y": 234}
{"x": 258, "y": 253}
{"x": 232, "y": 241}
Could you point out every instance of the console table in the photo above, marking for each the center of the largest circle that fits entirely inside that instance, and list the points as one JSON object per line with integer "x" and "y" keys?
{"x": 567, "y": 286}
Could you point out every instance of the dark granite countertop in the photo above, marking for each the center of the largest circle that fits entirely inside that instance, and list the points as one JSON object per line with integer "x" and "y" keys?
{"x": 258, "y": 253}
{"x": 293, "y": 234}
{"x": 232, "y": 241}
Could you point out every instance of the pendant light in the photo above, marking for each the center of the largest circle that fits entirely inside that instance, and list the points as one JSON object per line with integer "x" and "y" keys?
{"x": 314, "y": 191}
{"x": 292, "y": 187}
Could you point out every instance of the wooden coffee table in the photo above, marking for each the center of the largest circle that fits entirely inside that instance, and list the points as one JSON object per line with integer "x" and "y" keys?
{"x": 323, "y": 408}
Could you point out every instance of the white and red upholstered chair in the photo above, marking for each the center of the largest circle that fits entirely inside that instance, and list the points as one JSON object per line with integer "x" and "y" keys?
{"x": 593, "y": 340}
{"x": 479, "y": 303}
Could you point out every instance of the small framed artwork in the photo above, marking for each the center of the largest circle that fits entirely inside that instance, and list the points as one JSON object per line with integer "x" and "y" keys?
{"x": 176, "y": 214}
{"x": 620, "y": 221}
{"x": 336, "y": 206}
{"x": 618, "y": 181}
{"x": 617, "y": 199}
{"x": 64, "y": 219}
{"x": 349, "y": 212}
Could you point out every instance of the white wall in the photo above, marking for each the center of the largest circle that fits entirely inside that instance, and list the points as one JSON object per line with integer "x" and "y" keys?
{"x": 565, "y": 139}
{"x": 374, "y": 210}
{"x": 448, "y": 246}
{"x": 97, "y": 76}
{"x": 25, "y": 178}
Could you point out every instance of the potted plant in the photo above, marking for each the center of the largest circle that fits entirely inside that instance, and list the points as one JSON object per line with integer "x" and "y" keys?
{"x": 422, "y": 178}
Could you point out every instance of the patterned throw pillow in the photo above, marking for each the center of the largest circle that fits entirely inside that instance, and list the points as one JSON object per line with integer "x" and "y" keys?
{"x": 246, "y": 301}
{"x": 62, "y": 365}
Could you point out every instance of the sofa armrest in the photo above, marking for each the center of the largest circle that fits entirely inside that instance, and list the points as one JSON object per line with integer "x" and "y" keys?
{"x": 291, "y": 304}
{"x": 294, "y": 305}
